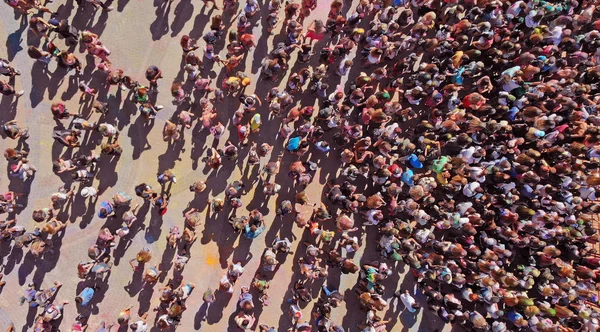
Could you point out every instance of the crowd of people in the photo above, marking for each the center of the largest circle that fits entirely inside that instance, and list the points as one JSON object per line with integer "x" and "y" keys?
{"x": 464, "y": 133}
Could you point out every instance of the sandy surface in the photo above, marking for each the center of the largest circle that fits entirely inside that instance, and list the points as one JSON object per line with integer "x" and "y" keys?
{"x": 140, "y": 33}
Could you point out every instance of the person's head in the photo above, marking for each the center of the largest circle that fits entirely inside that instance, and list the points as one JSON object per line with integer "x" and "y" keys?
{"x": 185, "y": 40}
{"x": 150, "y": 72}
{"x": 34, "y": 52}
{"x": 48, "y": 229}
{"x": 319, "y": 27}
{"x": 142, "y": 91}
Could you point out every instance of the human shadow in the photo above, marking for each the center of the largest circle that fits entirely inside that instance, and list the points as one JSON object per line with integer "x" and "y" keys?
{"x": 56, "y": 80}
{"x": 14, "y": 40}
{"x": 83, "y": 207}
{"x": 215, "y": 312}
{"x": 14, "y": 258}
{"x": 154, "y": 229}
{"x": 83, "y": 16}
{"x": 8, "y": 105}
{"x": 144, "y": 298}
{"x": 138, "y": 133}
{"x": 126, "y": 241}
{"x": 26, "y": 267}
{"x": 183, "y": 12}
{"x": 107, "y": 175}
{"x": 160, "y": 26}
{"x": 199, "y": 23}
{"x": 136, "y": 282}
{"x": 121, "y": 5}
{"x": 167, "y": 160}
{"x": 166, "y": 261}
{"x": 217, "y": 229}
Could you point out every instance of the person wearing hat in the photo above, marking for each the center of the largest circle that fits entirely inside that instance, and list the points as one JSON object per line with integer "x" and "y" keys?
{"x": 89, "y": 192}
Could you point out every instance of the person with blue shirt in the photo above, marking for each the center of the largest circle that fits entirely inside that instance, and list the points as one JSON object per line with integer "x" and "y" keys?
{"x": 86, "y": 295}
{"x": 106, "y": 209}
{"x": 294, "y": 143}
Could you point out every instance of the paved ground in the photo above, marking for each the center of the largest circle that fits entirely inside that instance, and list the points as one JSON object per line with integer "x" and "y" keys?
{"x": 140, "y": 33}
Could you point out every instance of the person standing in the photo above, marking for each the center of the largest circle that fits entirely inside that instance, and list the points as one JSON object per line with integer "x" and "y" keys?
{"x": 153, "y": 74}
{"x": 209, "y": 298}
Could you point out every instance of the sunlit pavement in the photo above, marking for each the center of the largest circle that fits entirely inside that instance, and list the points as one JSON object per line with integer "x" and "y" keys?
{"x": 141, "y": 33}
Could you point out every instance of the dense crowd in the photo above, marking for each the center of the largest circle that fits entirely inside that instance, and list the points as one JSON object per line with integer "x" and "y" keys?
{"x": 467, "y": 134}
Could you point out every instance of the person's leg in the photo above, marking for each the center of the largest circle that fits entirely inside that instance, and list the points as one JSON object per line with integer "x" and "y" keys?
{"x": 205, "y": 312}
{"x": 327, "y": 291}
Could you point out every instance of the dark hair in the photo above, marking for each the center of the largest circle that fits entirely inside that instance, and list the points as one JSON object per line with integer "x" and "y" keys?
{"x": 34, "y": 52}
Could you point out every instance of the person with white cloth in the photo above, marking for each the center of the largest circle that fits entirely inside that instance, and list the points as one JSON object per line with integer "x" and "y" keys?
{"x": 409, "y": 302}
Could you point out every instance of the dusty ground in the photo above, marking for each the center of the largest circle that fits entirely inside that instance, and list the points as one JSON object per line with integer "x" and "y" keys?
{"x": 140, "y": 33}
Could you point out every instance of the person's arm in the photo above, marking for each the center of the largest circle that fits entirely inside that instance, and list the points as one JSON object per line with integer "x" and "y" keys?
{"x": 193, "y": 238}
{"x": 179, "y": 286}
{"x": 77, "y": 64}
{"x": 62, "y": 170}
{"x": 187, "y": 214}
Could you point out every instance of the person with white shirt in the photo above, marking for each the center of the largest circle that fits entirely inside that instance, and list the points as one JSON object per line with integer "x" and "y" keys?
{"x": 141, "y": 325}
{"x": 409, "y": 302}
